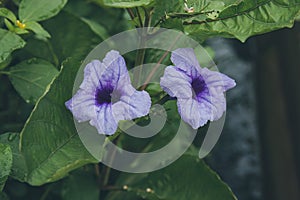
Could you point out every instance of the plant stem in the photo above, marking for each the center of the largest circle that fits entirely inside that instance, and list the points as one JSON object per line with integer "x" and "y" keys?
{"x": 106, "y": 170}
{"x": 5, "y": 72}
{"x": 158, "y": 64}
{"x": 130, "y": 13}
{"x": 112, "y": 187}
{"x": 140, "y": 56}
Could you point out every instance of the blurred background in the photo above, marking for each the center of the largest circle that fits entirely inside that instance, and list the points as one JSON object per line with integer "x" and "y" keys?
{"x": 258, "y": 153}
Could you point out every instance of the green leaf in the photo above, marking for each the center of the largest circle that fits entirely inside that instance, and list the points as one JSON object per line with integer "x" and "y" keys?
{"x": 38, "y": 10}
{"x": 4, "y": 12}
{"x": 31, "y": 77}
{"x": 126, "y": 3}
{"x": 229, "y": 18}
{"x": 38, "y": 30}
{"x": 187, "y": 178}
{"x": 79, "y": 40}
{"x": 5, "y": 163}
{"x": 81, "y": 184}
{"x": 247, "y": 18}
{"x": 8, "y": 43}
{"x": 19, "y": 168}
{"x": 49, "y": 140}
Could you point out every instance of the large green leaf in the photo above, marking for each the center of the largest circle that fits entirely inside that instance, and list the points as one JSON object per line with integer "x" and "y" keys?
{"x": 81, "y": 184}
{"x": 8, "y": 43}
{"x": 5, "y": 163}
{"x": 49, "y": 140}
{"x": 125, "y": 3}
{"x": 19, "y": 168}
{"x": 31, "y": 77}
{"x": 38, "y": 10}
{"x": 228, "y": 18}
{"x": 187, "y": 178}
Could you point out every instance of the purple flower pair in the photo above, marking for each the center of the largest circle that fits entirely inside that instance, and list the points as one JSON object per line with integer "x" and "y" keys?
{"x": 106, "y": 95}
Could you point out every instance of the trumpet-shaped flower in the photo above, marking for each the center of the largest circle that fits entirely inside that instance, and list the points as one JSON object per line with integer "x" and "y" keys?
{"x": 106, "y": 95}
{"x": 199, "y": 91}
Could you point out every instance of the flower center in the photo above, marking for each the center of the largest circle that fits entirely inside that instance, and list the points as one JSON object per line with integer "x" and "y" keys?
{"x": 106, "y": 95}
{"x": 103, "y": 96}
{"x": 199, "y": 87}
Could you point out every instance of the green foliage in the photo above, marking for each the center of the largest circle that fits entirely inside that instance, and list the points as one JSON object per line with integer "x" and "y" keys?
{"x": 39, "y": 10}
{"x": 186, "y": 178}
{"x": 125, "y": 3}
{"x": 31, "y": 77}
{"x": 5, "y": 163}
{"x": 240, "y": 19}
{"x": 8, "y": 43}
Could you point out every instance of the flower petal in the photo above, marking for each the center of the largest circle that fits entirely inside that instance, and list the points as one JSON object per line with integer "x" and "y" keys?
{"x": 185, "y": 60}
{"x": 193, "y": 113}
{"x": 105, "y": 122}
{"x": 198, "y": 112}
{"x": 115, "y": 69}
{"x": 92, "y": 74}
{"x": 132, "y": 104}
{"x": 176, "y": 83}
{"x": 82, "y": 105}
{"x": 217, "y": 79}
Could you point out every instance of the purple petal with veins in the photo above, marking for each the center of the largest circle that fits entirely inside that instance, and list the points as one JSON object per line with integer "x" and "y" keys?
{"x": 106, "y": 95}
{"x": 199, "y": 91}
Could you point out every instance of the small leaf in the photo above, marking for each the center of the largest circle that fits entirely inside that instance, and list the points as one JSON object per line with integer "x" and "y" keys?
{"x": 19, "y": 168}
{"x": 38, "y": 10}
{"x": 4, "y": 12}
{"x": 9, "y": 25}
{"x": 38, "y": 30}
{"x": 5, "y": 163}
{"x": 8, "y": 43}
{"x": 30, "y": 78}
{"x": 126, "y": 3}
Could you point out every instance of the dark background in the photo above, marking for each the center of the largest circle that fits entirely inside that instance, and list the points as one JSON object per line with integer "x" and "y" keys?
{"x": 258, "y": 154}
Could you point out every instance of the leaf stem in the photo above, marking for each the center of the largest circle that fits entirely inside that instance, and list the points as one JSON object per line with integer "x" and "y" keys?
{"x": 139, "y": 17}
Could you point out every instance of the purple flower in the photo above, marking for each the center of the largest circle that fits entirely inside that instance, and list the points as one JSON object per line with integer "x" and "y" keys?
{"x": 199, "y": 91}
{"x": 106, "y": 95}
